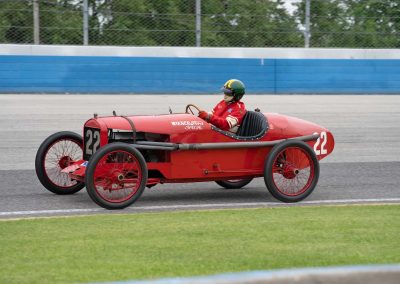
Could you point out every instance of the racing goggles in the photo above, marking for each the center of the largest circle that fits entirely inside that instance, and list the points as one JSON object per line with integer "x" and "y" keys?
{"x": 227, "y": 91}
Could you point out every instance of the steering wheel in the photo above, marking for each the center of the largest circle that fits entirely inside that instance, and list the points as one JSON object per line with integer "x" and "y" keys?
{"x": 189, "y": 108}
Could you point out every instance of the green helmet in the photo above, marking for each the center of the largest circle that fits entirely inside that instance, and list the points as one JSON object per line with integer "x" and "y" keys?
{"x": 234, "y": 88}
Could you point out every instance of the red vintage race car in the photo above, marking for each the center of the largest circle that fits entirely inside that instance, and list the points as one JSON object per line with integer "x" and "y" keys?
{"x": 119, "y": 156}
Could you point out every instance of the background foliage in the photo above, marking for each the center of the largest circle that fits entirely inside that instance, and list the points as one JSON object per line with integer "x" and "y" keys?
{"x": 258, "y": 23}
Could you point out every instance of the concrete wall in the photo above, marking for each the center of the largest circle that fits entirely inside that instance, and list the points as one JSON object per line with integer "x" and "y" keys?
{"x": 78, "y": 69}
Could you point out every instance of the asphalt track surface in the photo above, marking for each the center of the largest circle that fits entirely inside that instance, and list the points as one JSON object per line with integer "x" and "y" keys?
{"x": 364, "y": 167}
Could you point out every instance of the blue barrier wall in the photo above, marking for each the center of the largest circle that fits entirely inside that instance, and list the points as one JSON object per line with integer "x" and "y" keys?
{"x": 107, "y": 74}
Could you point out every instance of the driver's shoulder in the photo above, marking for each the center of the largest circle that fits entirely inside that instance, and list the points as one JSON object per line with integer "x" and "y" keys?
{"x": 220, "y": 105}
{"x": 240, "y": 105}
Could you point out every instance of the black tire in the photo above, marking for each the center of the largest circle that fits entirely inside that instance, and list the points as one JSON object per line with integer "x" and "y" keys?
{"x": 306, "y": 152}
{"x": 234, "y": 184}
{"x": 50, "y": 182}
{"x": 103, "y": 152}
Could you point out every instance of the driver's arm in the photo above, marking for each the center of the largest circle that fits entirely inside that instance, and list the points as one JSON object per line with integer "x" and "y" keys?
{"x": 224, "y": 123}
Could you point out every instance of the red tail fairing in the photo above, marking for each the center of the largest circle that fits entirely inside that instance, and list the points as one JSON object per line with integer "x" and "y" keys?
{"x": 284, "y": 127}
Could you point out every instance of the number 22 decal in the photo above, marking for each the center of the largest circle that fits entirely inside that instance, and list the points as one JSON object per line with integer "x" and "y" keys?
{"x": 323, "y": 138}
{"x": 93, "y": 141}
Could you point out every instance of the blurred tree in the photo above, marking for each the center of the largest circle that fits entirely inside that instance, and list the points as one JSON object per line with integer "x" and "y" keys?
{"x": 16, "y": 22}
{"x": 248, "y": 23}
{"x": 256, "y": 23}
{"x": 376, "y": 24}
{"x": 61, "y": 22}
{"x": 142, "y": 22}
{"x": 327, "y": 22}
{"x": 353, "y": 23}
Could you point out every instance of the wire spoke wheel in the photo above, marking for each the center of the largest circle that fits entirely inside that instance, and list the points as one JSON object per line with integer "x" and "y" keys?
{"x": 116, "y": 176}
{"x": 60, "y": 155}
{"x": 291, "y": 171}
{"x": 57, "y": 152}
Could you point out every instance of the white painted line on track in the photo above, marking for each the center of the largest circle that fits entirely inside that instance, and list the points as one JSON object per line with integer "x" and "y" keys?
{"x": 201, "y": 206}
{"x": 38, "y": 212}
{"x": 339, "y": 201}
{"x": 351, "y": 200}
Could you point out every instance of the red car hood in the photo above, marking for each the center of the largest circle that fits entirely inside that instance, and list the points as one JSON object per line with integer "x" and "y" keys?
{"x": 163, "y": 124}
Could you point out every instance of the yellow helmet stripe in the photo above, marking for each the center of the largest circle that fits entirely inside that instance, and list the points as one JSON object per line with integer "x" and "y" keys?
{"x": 229, "y": 83}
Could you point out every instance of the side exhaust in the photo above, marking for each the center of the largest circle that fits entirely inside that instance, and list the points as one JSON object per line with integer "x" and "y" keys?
{"x": 149, "y": 145}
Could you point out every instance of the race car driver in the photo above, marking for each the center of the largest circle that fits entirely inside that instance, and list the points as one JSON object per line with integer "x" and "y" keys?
{"x": 228, "y": 113}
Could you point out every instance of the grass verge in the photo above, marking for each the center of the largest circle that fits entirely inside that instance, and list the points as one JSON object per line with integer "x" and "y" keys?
{"x": 152, "y": 245}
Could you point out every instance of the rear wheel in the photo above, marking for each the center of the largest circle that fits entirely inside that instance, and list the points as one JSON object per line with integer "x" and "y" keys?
{"x": 234, "y": 183}
{"x": 57, "y": 152}
{"x": 116, "y": 176}
{"x": 291, "y": 171}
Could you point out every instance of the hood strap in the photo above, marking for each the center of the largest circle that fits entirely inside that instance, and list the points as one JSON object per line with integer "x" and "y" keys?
{"x": 132, "y": 126}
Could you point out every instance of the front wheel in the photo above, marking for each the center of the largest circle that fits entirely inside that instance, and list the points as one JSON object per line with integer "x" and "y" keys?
{"x": 116, "y": 176}
{"x": 57, "y": 152}
{"x": 291, "y": 171}
{"x": 234, "y": 184}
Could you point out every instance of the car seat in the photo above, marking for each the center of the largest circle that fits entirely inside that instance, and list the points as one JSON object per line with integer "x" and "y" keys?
{"x": 253, "y": 127}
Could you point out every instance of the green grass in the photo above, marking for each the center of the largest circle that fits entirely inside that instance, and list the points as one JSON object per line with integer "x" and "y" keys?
{"x": 137, "y": 246}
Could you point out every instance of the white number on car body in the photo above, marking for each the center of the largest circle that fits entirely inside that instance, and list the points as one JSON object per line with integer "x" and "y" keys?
{"x": 92, "y": 141}
{"x": 96, "y": 138}
{"x": 321, "y": 143}
{"x": 89, "y": 136}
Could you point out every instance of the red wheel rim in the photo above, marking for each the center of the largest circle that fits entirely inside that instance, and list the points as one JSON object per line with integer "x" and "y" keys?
{"x": 293, "y": 171}
{"x": 58, "y": 156}
{"x": 117, "y": 176}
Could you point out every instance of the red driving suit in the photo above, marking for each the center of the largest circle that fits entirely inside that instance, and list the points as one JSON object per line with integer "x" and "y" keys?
{"x": 228, "y": 116}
